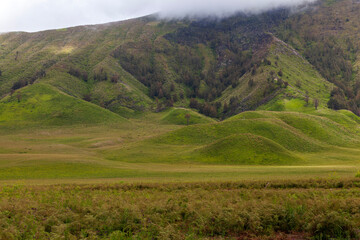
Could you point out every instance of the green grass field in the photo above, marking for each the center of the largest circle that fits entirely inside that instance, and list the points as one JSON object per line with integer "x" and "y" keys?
{"x": 157, "y": 146}
{"x": 88, "y": 173}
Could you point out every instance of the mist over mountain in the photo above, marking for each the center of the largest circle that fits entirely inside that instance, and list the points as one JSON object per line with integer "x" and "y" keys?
{"x": 35, "y": 15}
{"x": 204, "y": 8}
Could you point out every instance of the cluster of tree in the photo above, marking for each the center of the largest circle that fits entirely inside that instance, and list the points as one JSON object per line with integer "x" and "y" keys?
{"x": 78, "y": 74}
{"x": 19, "y": 84}
{"x": 115, "y": 78}
{"x": 208, "y": 109}
{"x": 346, "y": 99}
{"x": 188, "y": 64}
{"x": 331, "y": 61}
{"x": 30, "y": 80}
{"x": 140, "y": 66}
{"x": 330, "y": 54}
{"x": 232, "y": 57}
{"x": 100, "y": 75}
{"x": 150, "y": 73}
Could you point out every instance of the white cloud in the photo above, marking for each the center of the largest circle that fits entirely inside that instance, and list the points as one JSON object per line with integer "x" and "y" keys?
{"x": 222, "y": 7}
{"x": 35, "y": 15}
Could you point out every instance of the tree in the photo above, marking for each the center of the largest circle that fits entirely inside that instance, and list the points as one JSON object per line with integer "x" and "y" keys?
{"x": 251, "y": 83}
{"x": 100, "y": 75}
{"x": 19, "y": 96}
{"x": 87, "y": 97}
{"x": 225, "y": 108}
{"x": 115, "y": 78}
{"x": 161, "y": 94}
{"x": 158, "y": 105}
{"x": 19, "y": 84}
{"x": 187, "y": 116}
{"x": 316, "y": 103}
{"x": 170, "y": 103}
{"x": 307, "y": 98}
{"x": 194, "y": 103}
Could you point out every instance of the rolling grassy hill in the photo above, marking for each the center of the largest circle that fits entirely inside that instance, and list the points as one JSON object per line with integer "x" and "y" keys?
{"x": 178, "y": 116}
{"x": 254, "y": 138}
{"x": 247, "y": 149}
{"x": 249, "y": 145}
{"x": 41, "y": 105}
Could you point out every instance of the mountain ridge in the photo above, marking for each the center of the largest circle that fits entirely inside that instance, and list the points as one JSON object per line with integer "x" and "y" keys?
{"x": 146, "y": 64}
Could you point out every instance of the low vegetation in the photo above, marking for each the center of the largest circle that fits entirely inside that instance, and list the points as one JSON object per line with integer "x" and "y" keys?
{"x": 317, "y": 209}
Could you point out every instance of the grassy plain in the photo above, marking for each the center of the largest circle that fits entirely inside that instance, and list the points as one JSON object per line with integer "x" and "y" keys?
{"x": 258, "y": 175}
{"x": 252, "y": 145}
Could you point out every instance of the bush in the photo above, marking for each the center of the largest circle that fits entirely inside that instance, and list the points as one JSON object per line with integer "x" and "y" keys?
{"x": 332, "y": 225}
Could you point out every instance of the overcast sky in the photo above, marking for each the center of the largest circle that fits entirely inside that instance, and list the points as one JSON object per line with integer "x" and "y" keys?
{"x": 35, "y": 15}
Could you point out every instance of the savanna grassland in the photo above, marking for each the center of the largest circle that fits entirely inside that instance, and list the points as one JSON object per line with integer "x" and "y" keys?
{"x": 155, "y": 178}
{"x": 251, "y": 145}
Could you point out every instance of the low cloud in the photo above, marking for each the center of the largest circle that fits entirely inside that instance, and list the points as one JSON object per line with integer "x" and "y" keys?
{"x": 35, "y": 15}
{"x": 221, "y": 8}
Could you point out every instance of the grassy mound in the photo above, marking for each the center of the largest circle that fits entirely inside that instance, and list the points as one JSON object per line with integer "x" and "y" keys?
{"x": 273, "y": 129}
{"x": 264, "y": 138}
{"x": 328, "y": 126}
{"x": 177, "y": 116}
{"x": 246, "y": 149}
{"x": 45, "y": 105}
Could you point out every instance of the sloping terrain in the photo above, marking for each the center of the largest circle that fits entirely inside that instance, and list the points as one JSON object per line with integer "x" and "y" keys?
{"x": 219, "y": 67}
{"x": 254, "y": 138}
{"x": 41, "y": 105}
{"x": 182, "y": 116}
{"x": 247, "y": 149}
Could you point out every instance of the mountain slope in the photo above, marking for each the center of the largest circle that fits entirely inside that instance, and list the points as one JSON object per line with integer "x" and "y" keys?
{"x": 125, "y": 66}
{"x": 220, "y": 67}
{"x": 328, "y": 36}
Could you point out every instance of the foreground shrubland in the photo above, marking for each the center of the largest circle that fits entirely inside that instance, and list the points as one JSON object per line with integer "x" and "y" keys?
{"x": 318, "y": 209}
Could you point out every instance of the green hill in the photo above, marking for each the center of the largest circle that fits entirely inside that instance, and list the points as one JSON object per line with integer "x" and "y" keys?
{"x": 254, "y": 138}
{"x": 41, "y": 104}
{"x": 178, "y": 116}
{"x": 246, "y": 149}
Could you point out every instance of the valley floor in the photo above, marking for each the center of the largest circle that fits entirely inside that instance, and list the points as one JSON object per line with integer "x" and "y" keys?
{"x": 144, "y": 179}
{"x": 85, "y": 154}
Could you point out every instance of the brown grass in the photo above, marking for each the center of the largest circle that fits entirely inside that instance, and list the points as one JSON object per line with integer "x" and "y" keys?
{"x": 301, "y": 209}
